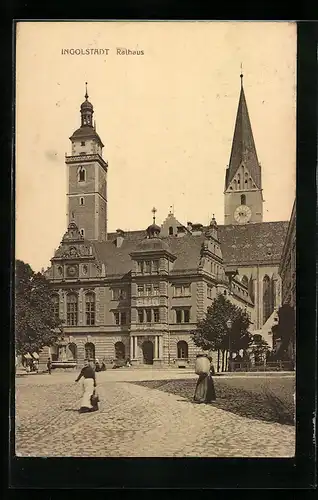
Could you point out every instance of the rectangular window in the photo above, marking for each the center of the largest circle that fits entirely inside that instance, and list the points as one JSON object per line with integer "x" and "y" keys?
{"x": 140, "y": 315}
{"x": 148, "y": 290}
{"x": 140, "y": 290}
{"x": 210, "y": 292}
{"x": 123, "y": 318}
{"x": 90, "y": 312}
{"x": 116, "y": 318}
{"x": 156, "y": 315}
{"x": 140, "y": 267}
{"x": 148, "y": 315}
{"x": 182, "y": 291}
{"x": 155, "y": 266}
{"x": 81, "y": 200}
{"x": 119, "y": 294}
{"x": 156, "y": 289}
{"x": 72, "y": 313}
{"x": 186, "y": 313}
{"x": 83, "y": 143}
{"x": 178, "y": 291}
{"x": 178, "y": 316}
{"x": 148, "y": 266}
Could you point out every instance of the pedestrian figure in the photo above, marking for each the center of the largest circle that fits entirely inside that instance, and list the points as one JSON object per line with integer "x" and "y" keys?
{"x": 89, "y": 385}
{"x": 49, "y": 366}
{"x": 97, "y": 366}
{"x": 204, "y": 391}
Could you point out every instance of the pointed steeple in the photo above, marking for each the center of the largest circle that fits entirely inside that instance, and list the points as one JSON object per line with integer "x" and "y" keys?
{"x": 243, "y": 146}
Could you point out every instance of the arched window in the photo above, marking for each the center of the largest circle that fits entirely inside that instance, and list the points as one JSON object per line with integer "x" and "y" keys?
{"x": 251, "y": 288}
{"x": 71, "y": 309}
{"x": 90, "y": 351}
{"x": 82, "y": 232}
{"x": 90, "y": 308}
{"x": 71, "y": 352}
{"x": 170, "y": 231}
{"x": 243, "y": 199}
{"x": 245, "y": 281}
{"x": 182, "y": 349}
{"x": 56, "y": 306}
{"x": 267, "y": 298}
{"x": 81, "y": 175}
{"x": 119, "y": 350}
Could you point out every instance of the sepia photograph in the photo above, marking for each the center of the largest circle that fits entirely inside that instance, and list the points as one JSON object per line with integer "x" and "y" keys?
{"x": 155, "y": 239}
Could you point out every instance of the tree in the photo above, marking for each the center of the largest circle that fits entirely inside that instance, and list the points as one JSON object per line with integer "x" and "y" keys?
{"x": 212, "y": 332}
{"x": 284, "y": 333}
{"x": 259, "y": 349}
{"x": 35, "y": 323}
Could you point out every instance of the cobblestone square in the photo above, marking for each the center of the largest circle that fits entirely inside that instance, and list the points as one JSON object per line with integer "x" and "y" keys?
{"x": 134, "y": 421}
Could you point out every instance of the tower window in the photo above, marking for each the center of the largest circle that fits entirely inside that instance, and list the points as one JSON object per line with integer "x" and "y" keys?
{"x": 82, "y": 232}
{"x": 83, "y": 143}
{"x": 81, "y": 201}
{"x": 81, "y": 175}
{"x": 170, "y": 231}
{"x": 243, "y": 199}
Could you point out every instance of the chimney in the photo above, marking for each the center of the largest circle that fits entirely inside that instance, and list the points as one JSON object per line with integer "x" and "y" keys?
{"x": 197, "y": 229}
{"x": 119, "y": 237}
{"x": 181, "y": 231}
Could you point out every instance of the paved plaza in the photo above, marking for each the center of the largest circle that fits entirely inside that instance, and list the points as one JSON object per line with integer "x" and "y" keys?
{"x": 135, "y": 421}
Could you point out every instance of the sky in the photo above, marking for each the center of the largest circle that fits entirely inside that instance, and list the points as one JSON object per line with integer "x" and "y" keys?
{"x": 166, "y": 118}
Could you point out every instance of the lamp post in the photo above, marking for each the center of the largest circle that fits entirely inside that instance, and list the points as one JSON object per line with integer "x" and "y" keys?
{"x": 229, "y": 324}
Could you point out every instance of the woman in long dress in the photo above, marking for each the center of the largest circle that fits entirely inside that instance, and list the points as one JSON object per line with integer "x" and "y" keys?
{"x": 89, "y": 384}
{"x": 205, "y": 391}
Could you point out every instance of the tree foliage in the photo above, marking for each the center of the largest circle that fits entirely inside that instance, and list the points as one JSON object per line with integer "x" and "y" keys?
{"x": 35, "y": 323}
{"x": 213, "y": 333}
{"x": 284, "y": 331}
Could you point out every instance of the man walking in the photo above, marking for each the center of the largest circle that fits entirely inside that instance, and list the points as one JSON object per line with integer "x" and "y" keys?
{"x": 49, "y": 366}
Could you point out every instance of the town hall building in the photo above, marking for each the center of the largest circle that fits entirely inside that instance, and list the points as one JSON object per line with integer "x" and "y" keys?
{"x": 139, "y": 294}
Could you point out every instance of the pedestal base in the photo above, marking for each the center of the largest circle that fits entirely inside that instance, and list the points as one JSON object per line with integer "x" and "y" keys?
{"x": 134, "y": 362}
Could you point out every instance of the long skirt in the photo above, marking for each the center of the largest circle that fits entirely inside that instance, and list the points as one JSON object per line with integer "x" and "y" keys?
{"x": 88, "y": 389}
{"x": 204, "y": 391}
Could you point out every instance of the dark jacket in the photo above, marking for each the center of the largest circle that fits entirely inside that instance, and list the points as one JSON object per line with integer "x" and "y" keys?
{"x": 87, "y": 372}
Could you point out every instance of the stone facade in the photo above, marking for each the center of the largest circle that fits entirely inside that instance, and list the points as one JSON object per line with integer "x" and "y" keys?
{"x": 287, "y": 267}
{"x": 139, "y": 294}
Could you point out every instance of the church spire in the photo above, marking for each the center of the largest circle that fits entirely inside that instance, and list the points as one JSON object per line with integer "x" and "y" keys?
{"x": 243, "y": 146}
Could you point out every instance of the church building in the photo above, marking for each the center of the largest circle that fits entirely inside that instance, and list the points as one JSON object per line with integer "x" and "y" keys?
{"x": 139, "y": 294}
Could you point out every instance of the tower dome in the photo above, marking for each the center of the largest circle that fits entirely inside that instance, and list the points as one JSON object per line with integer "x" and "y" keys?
{"x": 153, "y": 230}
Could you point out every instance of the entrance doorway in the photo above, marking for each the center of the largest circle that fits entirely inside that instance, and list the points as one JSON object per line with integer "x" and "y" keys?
{"x": 147, "y": 351}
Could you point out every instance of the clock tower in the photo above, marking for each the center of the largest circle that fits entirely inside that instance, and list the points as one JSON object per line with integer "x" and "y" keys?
{"x": 243, "y": 198}
{"x": 87, "y": 178}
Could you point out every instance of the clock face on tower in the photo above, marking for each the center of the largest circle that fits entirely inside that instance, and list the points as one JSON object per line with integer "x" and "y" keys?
{"x": 242, "y": 214}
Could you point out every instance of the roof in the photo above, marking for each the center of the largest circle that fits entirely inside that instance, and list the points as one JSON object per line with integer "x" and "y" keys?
{"x": 240, "y": 244}
{"x": 118, "y": 261}
{"x": 155, "y": 244}
{"x": 86, "y": 132}
{"x": 259, "y": 242}
{"x": 243, "y": 146}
